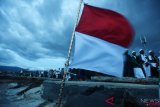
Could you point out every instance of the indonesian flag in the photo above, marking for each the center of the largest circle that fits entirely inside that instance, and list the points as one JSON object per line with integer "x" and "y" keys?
{"x": 101, "y": 38}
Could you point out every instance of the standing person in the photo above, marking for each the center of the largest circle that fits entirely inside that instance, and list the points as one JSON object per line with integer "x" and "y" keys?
{"x": 159, "y": 65}
{"x": 159, "y": 60}
{"x": 128, "y": 69}
{"x": 147, "y": 68}
{"x": 42, "y": 73}
{"x": 154, "y": 63}
{"x": 138, "y": 73}
{"x": 57, "y": 73}
{"x": 141, "y": 59}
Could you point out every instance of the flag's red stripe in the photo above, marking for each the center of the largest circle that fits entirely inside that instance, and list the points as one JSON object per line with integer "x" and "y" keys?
{"x": 105, "y": 24}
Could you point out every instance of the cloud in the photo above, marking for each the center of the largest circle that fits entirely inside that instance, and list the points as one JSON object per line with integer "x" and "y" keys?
{"x": 35, "y": 30}
{"x": 6, "y": 56}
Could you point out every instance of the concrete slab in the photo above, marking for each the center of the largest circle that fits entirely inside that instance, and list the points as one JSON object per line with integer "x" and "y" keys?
{"x": 95, "y": 94}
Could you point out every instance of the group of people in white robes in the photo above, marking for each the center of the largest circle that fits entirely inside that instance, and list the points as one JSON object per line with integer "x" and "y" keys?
{"x": 141, "y": 65}
{"x": 145, "y": 66}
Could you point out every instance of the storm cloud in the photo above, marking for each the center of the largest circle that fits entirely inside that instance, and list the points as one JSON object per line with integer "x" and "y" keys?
{"x": 34, "y": 32}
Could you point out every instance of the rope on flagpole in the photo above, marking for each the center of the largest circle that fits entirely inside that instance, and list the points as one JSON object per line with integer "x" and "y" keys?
{"x": 58, "y": 104}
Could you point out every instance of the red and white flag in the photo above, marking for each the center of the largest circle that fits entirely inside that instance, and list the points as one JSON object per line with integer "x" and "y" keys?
{"x": 101, "y": 38}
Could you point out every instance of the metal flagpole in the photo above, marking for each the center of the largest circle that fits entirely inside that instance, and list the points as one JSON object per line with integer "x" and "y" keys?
{"x": 58, "y": 104}
{"x": 143, "y": 41}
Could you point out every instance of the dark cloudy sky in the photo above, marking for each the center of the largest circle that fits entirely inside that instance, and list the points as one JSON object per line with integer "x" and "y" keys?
{"x": 36, "y": 33}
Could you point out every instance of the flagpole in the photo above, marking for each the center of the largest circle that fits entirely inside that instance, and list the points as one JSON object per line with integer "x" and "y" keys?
{"x": 58, "y": 104}
{"x": 73, "y": 34}
{"x": 143, "y": 42}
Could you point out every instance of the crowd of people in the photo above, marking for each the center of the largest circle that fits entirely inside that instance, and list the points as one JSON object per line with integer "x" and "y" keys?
{"x": 42, "y": 73}
{"x": 141, "y": 65}
{"x": 138, "y": 65}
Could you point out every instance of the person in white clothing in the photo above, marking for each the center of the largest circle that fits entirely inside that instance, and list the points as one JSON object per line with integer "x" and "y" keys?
{"x": 138, "y": 73}
{"x": 142, "y": 60}
{"x": 154, "y": 63}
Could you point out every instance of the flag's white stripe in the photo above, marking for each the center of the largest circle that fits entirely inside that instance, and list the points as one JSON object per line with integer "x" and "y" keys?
{"x": 98, "y": 55}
